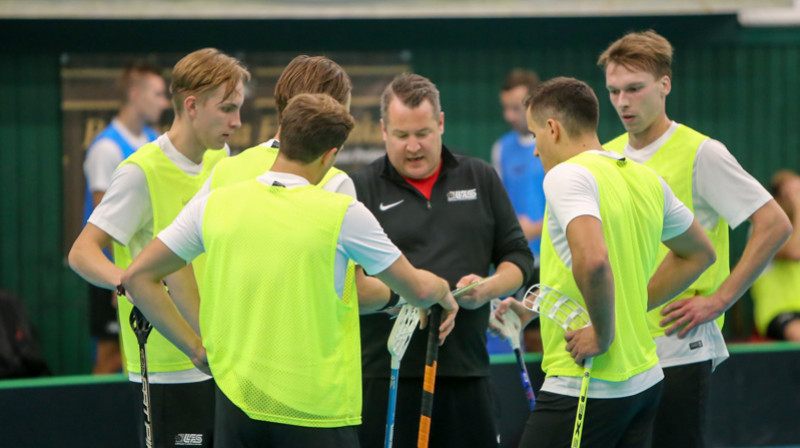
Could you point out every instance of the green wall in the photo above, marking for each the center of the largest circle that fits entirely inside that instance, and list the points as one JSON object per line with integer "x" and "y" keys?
{"x": 32, "y": 263}
{"x": 737, "y": 85}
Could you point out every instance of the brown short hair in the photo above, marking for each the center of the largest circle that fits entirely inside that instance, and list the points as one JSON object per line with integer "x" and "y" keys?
{"x": 645, "y": 50}
{"x": 133, "y": 73}
{"x": 568, "y": 100}
{"x": 411, "y": 90}
{"x": 520, "y": 77}
{"x": 202, "y": 71}
{"x": 313, "y": 123}
{"x": 311, "y": 74}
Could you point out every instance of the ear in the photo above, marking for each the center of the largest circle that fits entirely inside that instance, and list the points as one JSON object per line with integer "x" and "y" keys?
{"x": 329, "y": 157}
{"x": 666, "y": 85}
{"x": 554, "y": 128}
{"x": 190, "y": 105}
{"x": 441, "y": 123}
{"x": 383, "y": 130}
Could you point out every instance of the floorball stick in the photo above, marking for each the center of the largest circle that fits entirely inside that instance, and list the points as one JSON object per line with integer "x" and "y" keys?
{"x": 510, "y": 329}
{"x": 431, "y": 357}
{"x": 141, "y": 328}
{"x": 403, "y": 329}
{"x": 569, "y": 315}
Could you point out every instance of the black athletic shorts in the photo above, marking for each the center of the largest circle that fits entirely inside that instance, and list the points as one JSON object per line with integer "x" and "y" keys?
{"x": 608, "y": 423}
{"x": 103, "y": 322}
{"x": 777, "y": 326}
{"x": 234, "y": 429}
{"x": 683, "y": 413}
{"x": 182, "y": 414}
{"x": 463, "y": 413}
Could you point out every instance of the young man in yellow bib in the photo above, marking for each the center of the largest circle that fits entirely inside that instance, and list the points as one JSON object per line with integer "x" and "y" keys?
{"x": 146, "y": 193}
{"x": 776, "y": 292}
{"x": 721, "y": 194}
{"x": 279, "y": 332}
{"x": 605, "y": 219}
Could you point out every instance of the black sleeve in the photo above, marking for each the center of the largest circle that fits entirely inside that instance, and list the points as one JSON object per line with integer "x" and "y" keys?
{"x": 509, "y": 240}
{"x": 361, "y": 183}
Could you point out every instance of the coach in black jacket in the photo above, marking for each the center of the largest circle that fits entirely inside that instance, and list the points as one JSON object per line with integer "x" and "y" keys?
{"x": 451, "y": 215}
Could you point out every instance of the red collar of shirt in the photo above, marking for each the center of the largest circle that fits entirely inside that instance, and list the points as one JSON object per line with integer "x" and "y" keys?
{"x": 425, "y": 186}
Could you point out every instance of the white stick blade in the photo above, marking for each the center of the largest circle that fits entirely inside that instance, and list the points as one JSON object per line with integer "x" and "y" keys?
{"x": 403, "y": 329}
{"x": 557, "y": 306}
{"x": 511, "y": 326}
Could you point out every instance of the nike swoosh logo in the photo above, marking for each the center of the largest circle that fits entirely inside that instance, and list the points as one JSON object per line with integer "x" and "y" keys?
{"x": 388, "y": 206}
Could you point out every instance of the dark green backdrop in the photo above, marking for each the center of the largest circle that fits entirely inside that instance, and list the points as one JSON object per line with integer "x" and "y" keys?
{"x": 738, "y": 85}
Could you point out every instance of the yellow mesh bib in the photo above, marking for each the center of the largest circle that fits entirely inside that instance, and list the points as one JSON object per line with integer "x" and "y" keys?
{"x": 250, "y": 164}
{"x": 281, "y": 344}
{"x": 632, "y": 211}
{"x": 674, "y": 162}
{"x": 170, "y": 189}
{"x": 776, "y": 291}
{"x": 255, "y": 161}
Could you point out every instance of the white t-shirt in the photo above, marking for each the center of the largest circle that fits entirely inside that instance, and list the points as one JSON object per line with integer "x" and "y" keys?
{"x": 361, "y": 237}
{"x": 340, "y": 183}
{"x": 572, "y": 191}
{"x": 126, "y": 214}
{"x": 104, "y": 155}
{"x": 720, "y": 188}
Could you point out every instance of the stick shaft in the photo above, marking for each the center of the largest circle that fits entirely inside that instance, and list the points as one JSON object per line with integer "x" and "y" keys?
{"x": 577, "y": 431}
{"x": 141, "y": 328}
{"x": 148, "y": 422}
{"x": 429, "y": 382}
{"x": 387, "y": 443}
{"x": 526, "y": 380}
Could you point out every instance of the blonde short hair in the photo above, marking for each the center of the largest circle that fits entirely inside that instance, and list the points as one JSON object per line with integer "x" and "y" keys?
{"x": 202, "y": 71}
{"x": 645, "y": 50}
{"x": 311, "y": 74}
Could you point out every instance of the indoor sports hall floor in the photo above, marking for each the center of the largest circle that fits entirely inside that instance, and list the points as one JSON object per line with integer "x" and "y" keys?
{"x": 763, "y": 376}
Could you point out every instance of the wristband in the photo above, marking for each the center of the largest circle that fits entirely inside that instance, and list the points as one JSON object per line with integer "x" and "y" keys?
{"x": 394, "y": 298}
